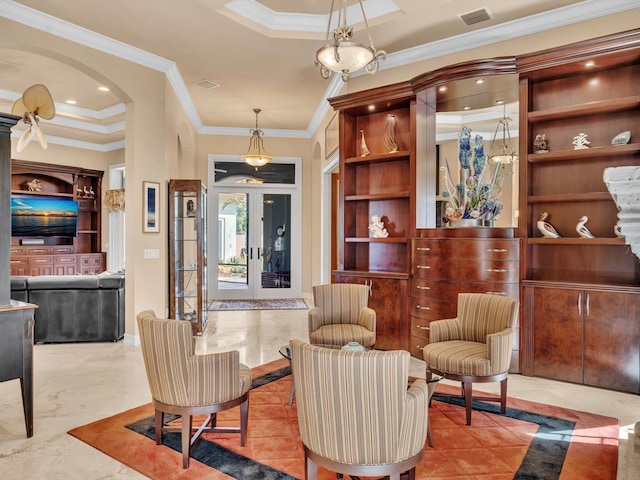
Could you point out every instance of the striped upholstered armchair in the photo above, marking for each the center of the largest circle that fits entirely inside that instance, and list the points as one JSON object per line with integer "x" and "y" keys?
{"x": 476, "y": 345}
{"x": 340, "y": 315}
{"x": 187, "y": 384}
{"x": 355, "y": 413}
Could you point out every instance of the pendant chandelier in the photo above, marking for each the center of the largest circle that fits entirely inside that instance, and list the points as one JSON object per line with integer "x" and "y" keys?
{"x": 256, "y": 155}
{"x": 342, "y": 55}
{"x": 504, "y": 153}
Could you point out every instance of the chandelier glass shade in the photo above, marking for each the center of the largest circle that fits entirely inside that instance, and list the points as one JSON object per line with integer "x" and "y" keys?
{"x": 503, "y": 153}
{"x": 340, "y": 53}
{"x": 256, "y": 155}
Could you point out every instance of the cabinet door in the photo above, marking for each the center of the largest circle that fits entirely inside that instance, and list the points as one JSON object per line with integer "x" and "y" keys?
{"x": 557, "y": 334}
{"x": 612, "y": 340}
{"x": 389, "y": 300}
{"x": 40, "y": 266}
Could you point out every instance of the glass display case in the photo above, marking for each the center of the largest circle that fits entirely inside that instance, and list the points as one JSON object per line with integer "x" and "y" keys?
{"x": 188, "y": 253}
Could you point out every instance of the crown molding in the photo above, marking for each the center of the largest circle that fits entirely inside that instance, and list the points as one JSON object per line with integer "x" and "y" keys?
{"x": 67, "y": 142}
{"x": 582, "y": 11}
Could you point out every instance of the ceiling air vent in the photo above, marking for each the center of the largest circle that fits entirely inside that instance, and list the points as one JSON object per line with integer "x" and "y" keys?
{"x": 206, "y": 84}
{"x": 477, "y": 16}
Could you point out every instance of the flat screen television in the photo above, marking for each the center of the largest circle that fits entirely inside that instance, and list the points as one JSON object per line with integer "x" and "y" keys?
{"x": 43, "y": 216}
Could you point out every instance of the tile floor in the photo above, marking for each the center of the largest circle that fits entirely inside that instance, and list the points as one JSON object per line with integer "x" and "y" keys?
{"x": 79, "y": 383}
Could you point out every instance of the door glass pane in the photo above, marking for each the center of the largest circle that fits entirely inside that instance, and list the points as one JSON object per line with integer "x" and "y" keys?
{"x": 232, "y": 240}
{"x": 276, "y": 241}
{"x": 240, "y": 172}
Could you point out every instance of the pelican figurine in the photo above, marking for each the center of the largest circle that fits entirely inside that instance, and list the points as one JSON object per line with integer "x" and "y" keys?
{"x": 545, "y": 228}
{"x": 582, "y": 230}
{"x": 618, "y": 231}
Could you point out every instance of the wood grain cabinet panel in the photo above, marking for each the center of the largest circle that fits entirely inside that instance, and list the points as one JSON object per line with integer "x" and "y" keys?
{"x": 587, "y": 336}
{"x": 389, "y": 300}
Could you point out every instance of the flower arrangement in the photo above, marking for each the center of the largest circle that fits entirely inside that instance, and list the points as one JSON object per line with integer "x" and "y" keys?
{"x": 476, "y": 195}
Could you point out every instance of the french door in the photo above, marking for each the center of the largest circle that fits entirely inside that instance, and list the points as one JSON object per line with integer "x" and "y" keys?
{"x": 257, "y": 250}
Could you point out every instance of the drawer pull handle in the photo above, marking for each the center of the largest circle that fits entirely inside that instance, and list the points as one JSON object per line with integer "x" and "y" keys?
{"x": 497, "y": 270}
{"x": 422, "y": 327}
{"x": 423, "y": 249}
{"x": 419, "y": 347}
{"x": 422, "y": 307}
{"x": 424, "y": 266}
{"x": 422, "y": 287}
{"x": 497, "y": 250}
{"x": 496, "y": 293}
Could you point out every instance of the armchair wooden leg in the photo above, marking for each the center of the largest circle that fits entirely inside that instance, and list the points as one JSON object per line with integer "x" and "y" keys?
{"x": 503, "y": 396}
{"x": 186, "y": 439}
{"x": 467, "y": 388}
{"x": 429, "y": 435}
{"x": 159, "y": 424}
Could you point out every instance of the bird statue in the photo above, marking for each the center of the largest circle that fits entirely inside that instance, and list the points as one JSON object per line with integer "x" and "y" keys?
{"x": 545, "y": 228}
{"x": 582, "y": 230}
{"x": 618, "y": 231}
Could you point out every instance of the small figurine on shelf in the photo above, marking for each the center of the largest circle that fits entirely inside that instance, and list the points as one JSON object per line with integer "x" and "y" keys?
{"x": 580, "y": 141}
{"x": 79, "y": 192}
{"x": 34, "y": 185}
{"x": 390, "y": 134}
{"x": 92, "y": 194}
{"x": 541, "y": 143}
{"x": 85, "y": 192}
{"x": 191, "y": 210}
{"x": 582, "y": 230}
{"x": 377, "y": 227}
{"x": 546, "y": 229}
{"x": 618, "y": 231}
{"x": 364, "y": 150}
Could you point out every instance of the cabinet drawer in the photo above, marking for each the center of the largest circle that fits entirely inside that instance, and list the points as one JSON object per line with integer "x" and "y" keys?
{"x": 420, "y": 328}
{"x": 431, "y": 309}
{"x": 64, "y": 259}
{"x": 62, "y": 249}
{"x": 448, "y": 291}
{"x": 481, "y": 249}
{"x": 417, "y": 344}
{"x": 16, "y": 250}
{"x": 467, "y": 271}
{"x": 35, "y": 261}
{"x": 37, "y": 250}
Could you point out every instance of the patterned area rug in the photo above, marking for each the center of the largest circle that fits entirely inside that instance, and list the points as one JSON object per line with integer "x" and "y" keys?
{"x": 531, "y": 441}
{"x": 279, "y": 304}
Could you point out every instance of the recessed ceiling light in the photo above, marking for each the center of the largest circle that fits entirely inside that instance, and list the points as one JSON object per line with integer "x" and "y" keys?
{"x": 466, "y": 107}
{"x": 480, "y": 81}
{"x": 443, "y": 88}
{"x": 590, "y": 63}
{"x": 71, "y": 102}
{"x": 371, "y": 108}
{"x": 499, "y": 101}
{"x": 103, "y": 89}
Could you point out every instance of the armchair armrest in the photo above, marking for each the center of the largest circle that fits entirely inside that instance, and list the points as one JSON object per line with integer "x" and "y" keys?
{"x": 499, "y": 346}
{"x": 368, "y": 319}
{"x": 314, "y": 317}
{"x": 413, "y": 429}
{"x": 445, "y": 330}
{"x": 214, "y": 378}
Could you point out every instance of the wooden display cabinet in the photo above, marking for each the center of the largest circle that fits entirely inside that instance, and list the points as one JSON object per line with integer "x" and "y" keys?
{"x": 188, "y": 253}
{"x": 580, "y": 294}
{"x": 381, "y": 183}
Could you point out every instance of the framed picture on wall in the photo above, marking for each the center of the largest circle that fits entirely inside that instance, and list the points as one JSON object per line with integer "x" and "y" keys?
{"x": 331, "y": 141}
{"x": 151, "y": 207}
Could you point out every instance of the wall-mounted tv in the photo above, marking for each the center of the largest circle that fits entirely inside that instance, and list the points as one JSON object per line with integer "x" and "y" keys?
{"x": 43, "y": 216}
